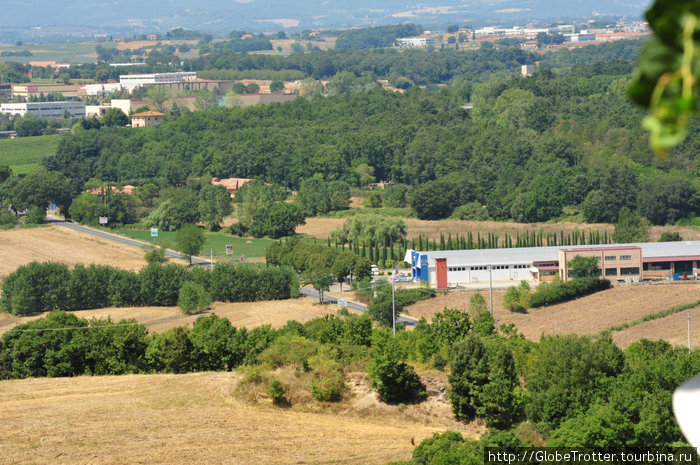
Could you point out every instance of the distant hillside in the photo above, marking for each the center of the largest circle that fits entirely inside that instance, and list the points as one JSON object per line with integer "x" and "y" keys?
{"x": 270, "y": 15}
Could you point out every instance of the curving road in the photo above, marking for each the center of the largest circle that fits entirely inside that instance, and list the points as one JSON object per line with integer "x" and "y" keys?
{"x": 198, "y": 261}
{"x": 329, "y": 299}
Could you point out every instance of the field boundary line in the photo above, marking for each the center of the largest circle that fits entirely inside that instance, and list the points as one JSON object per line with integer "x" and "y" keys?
{"x": 651, "y": 317}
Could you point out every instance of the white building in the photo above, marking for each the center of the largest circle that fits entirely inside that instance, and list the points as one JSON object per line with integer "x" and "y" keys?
{"x": 45, "y": 109}
{"x": 660, "y": 260}
{"x": 139, "y": 80}
{"x": 416, "y": 41}
{"x": 580, "y": 37}
{"x": 98, "y": 90}
{"x": 96, "y": 110}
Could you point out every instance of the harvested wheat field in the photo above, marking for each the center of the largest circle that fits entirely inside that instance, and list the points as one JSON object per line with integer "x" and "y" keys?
{"x": 157, "y": 319}
{"x": 586, "y": 315}
{"x": 322, "y": 227}
{"x": 53, "y": 243}
{"x": 673, "y": 328}
{"x": 185, "y": 419}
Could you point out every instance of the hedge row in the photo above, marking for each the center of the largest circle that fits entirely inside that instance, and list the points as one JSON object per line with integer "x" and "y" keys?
{"x": 40, "y": 287}
{"x": 560, "y": 291}
{"x": 62, "y": 344}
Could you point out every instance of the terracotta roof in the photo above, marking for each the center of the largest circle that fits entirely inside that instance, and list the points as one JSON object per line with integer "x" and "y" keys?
{"x": 147, "y": 113}
{"x": 231, "y": 184}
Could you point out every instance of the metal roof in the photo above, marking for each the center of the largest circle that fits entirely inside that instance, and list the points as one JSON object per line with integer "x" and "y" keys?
{"x": 528, "y": 255}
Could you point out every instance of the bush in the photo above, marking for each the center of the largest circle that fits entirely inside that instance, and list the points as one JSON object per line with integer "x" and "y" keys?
{"x": 560, "y": 291}
{"x": 36, "y": 215}
{"x": 276, "y": 391}
{"x": 193, "y": 298}
{"x": 395, "y": 381}
{"x": 517, "y": 299}
{"x": 327, "y": 382}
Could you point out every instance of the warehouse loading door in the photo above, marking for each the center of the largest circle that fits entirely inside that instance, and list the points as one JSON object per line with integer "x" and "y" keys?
{"x": 441, "y": 272}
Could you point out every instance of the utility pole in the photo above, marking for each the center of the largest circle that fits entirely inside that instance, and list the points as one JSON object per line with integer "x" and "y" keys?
{"x": 393, "y": 304}
{"x": 689, "y": 349}
{"x": 211, "y": 259}
{"x": 491, "y": 287}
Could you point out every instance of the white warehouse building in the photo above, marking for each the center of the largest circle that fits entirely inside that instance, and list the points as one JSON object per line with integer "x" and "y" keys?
{"x": 130, "y": 81}
{"x": 444, "y": 268}
{"x": 45, "y": 109}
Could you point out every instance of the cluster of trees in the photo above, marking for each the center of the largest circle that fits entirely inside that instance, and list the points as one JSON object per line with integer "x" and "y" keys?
{"x": 564, "y": 391}
{"x": 318, "y": 265}
{"x": 375, "y": 37}
{"x": 39, "y": 287}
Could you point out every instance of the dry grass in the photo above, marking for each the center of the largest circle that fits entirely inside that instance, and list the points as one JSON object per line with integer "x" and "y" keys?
{"x": 158, "y": 319}
{"x": 53, "y": 243}
{"x": 196, "y": 418}
{"x": 673, "y": 328}
{"x": 322, "y": 227}
{"x": 586, "y": 315}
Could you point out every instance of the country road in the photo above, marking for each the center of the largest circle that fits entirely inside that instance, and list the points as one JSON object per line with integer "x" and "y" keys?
{"x": 352, "y": 305}
{"x": 121, "y": 239}
{"x": 199, "y": 261}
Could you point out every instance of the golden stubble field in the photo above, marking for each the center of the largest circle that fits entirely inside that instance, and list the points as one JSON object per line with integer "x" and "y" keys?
{"x": 322, "y": 227}
{"x": 53, "y": 243}
{"x": 591, "y": 314}
{"x": 197, "y": 418}
{"x": 241, "y": 314}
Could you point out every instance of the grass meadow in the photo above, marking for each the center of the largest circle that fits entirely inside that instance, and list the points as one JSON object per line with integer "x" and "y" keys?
{"x": 23, "y": 154}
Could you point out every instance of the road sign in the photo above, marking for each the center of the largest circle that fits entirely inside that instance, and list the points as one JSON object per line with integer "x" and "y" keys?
{"x": 229, "y": 249}
{"x": 52, "y": 207}
{"x": 103, "y": 220}
{"x": 154, "y": 232}
{"x": 342, "y": 303}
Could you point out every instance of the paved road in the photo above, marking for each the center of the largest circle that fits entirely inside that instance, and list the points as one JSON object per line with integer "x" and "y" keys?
{"x": 121, "y": 239}
{"x": 351, "y": 305}
{"x": 198, "y": 261}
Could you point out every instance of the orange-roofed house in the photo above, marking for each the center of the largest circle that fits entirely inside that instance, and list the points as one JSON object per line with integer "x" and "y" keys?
{"x": 146, "y": 118}
{"x": 231, "y": 184}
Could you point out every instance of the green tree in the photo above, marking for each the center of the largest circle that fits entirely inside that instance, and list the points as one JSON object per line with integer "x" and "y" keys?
{"x": 499, "y": 405}
{"x": 582, "y": 267}
{"x": 469, "y": 373}
{"x": 189, "y": 240}
{"x": 214, "y": 205}
{"x": 477, "y": 303}
{"x": 276, "y": 86}
{"x": 395, "y": 196}
{"x": 434, "y": 200}
{"x": 254, "y": 195}
{"x": 114, "y": 117}
{"x": 395, "y": 381}
{"x": 631, "y": 227}
{"x": 41, "y": 187}
{"x": 276, "y": 220}
{"x": 373, "y": 200}
{"x": 343, "y": 265}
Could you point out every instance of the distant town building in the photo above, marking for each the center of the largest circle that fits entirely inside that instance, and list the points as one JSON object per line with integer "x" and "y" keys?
{"x": 128, "y": 105}
{"x": 98, "y": 90}
{"x": 249, "y": 100}
{"x": 27, "y": 91}
{"x": 146, "y": 118}
{"x": 580, "y": 37}
{"x": 527, "y": 70}
{"x": 416, "y": 41}
{"x": 76, "y": 109}
{"x": 231, "y": 184}
{"x": 140, "y": 80}
{"x": 96, "y": 110}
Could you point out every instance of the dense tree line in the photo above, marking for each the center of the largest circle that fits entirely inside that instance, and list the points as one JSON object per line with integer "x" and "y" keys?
{"x": 530, "y": 147}
{"x": 375, "y": 37}
{"x": 39, "y": 287}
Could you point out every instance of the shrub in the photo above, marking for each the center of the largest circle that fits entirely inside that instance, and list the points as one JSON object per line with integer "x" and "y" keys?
{"x": 36, "y": 215}
{"x": 395, "y": 381}
{"x": 276, "y": 391}
{"x": 517, "y": 299}
{"x": 327, "y": 382}
{"x": 170, "y": 351}
{"x": 559, "y": 291}
{"x": 193, "y": 298}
